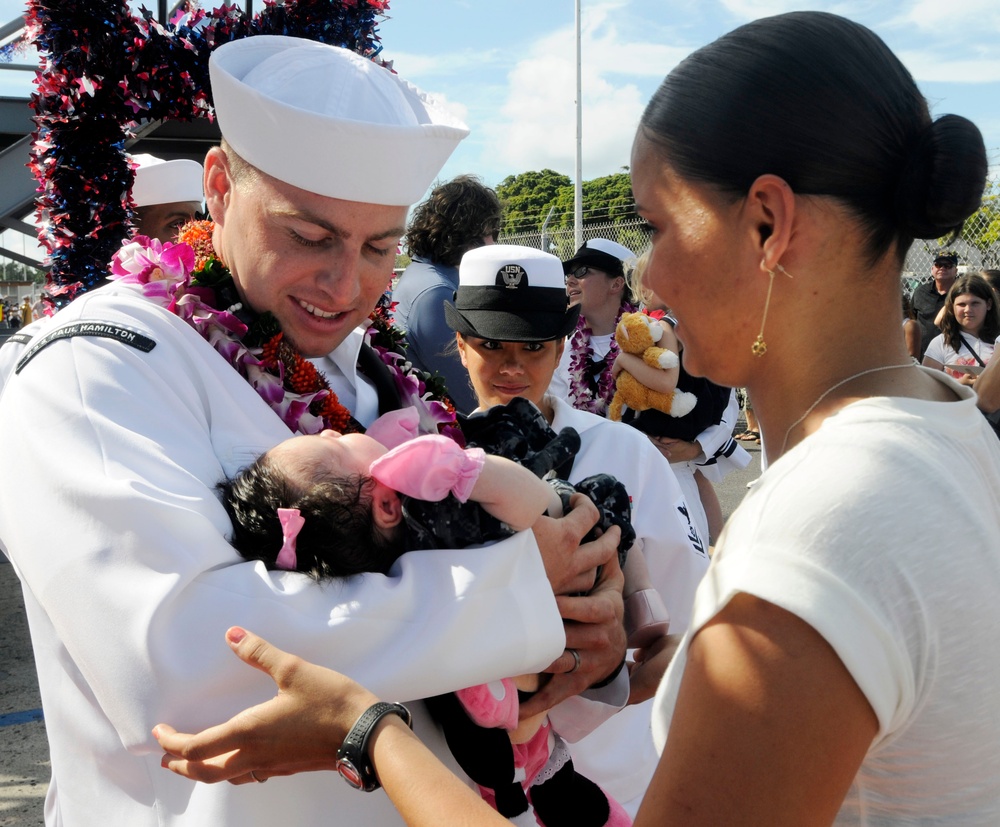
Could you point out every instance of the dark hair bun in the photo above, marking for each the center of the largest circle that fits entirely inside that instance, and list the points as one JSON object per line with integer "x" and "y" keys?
{"x": 943, "y": 182}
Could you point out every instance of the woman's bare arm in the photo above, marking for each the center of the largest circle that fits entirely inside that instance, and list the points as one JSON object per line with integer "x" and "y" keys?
{"x": 769, "y": 726}
{"x": 987, "y": 386}
{"x": 313, "y": 712}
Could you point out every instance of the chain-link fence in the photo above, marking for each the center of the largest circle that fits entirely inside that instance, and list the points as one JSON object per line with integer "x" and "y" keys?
{"x": 983, "y": 228}
{"x": 977, "y": 249}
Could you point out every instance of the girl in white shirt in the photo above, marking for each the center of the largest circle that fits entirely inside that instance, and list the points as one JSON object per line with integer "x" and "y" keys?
{"x": 970, "y": 326}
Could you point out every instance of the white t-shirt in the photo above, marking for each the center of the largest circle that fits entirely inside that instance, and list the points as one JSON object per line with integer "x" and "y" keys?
{"x": 882, "y": 531}
{"x": 941, "y": 351}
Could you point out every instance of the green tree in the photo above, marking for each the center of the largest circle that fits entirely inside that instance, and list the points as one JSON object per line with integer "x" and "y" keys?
{"x": 982, "y": 230}
{"x": 526, "y": 199}
{"x": 608, "y": 200}
{"x": 15, "y": 271}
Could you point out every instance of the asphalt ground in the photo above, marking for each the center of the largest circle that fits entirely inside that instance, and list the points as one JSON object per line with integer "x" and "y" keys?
{"x": 24, "y": 753}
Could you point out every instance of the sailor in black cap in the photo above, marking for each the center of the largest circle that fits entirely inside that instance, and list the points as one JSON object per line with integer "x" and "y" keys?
{"x": 511, "y": 315}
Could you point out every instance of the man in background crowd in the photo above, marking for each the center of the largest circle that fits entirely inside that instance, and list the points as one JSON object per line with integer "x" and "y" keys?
{"x": 458, "y": 216}
{"x": 928, "y": 298}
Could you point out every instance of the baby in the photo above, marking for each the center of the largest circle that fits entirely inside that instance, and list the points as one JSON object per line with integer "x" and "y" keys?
{"x": 333, "y": 505}
{"x": 342, "y": 528}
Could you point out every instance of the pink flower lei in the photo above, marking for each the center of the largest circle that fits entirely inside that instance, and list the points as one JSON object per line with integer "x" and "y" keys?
{"x": 191, "y": 282}
{"x": 585, "y": 394}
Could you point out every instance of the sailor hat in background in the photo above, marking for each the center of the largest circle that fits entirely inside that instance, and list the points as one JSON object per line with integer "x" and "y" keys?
{"x": 602, "y": 254}
{"x": 166, "y": 182}
{"x": 510, "y": 293}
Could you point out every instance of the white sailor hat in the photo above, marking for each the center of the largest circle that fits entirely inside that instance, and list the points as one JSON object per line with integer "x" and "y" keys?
{"x": 329, "y": 121}
{"x": 510, "y": 293}
{"x": 166, "y": 182}
{"x": 602, "y": 254}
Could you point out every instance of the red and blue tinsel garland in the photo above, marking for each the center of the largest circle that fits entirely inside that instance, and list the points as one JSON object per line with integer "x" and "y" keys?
{"x": 103, "y": 71}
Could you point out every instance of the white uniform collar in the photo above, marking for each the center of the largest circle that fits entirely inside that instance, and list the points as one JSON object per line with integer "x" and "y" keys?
{"x": 341, "y": 370}
{"x": 564, "y": 414}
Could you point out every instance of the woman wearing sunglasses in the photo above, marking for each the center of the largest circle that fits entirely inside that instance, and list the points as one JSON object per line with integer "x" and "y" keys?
{"x": 596, "y": 280}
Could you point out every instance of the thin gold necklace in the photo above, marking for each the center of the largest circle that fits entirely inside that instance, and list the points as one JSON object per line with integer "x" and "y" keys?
{"x": 830, "y": 390}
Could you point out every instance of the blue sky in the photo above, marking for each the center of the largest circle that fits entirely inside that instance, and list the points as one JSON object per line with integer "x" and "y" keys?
{"x": 508, "y": 67}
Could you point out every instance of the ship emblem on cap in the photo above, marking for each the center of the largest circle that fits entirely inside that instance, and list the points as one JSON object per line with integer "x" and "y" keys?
{"x": 511, "y": 276}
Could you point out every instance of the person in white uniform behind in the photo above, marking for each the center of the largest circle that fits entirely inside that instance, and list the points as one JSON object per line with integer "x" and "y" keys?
{"x": 131, "y": 417}
{"x": 167, "y": 194}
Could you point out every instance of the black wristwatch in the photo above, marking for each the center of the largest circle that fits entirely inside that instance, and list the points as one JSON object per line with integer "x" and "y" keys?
{"x": 353, "y": 763}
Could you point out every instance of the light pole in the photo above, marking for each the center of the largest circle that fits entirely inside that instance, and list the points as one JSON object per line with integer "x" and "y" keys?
{"x": 578, "y": 189}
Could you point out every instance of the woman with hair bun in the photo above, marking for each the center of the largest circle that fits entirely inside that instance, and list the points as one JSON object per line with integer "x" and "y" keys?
{"x": 841, "y": 664}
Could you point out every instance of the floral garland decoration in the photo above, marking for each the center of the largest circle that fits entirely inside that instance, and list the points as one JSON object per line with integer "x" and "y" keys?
{"x": 416, "y": 388}
{"x": 104, "y": 70}
{"x": 588, "y": 389}
{"x": 188, "y": 279}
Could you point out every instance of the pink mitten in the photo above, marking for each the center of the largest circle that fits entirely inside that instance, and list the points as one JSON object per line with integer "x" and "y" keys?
{"x": 429, "y": 468}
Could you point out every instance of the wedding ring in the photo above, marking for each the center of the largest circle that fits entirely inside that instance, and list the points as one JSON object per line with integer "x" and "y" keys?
{"x": 576, "y": 659}
{"x": 262, "y": 780}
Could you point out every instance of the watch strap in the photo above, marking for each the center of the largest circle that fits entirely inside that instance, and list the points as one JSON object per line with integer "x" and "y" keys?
{"x": 353, "y": 762}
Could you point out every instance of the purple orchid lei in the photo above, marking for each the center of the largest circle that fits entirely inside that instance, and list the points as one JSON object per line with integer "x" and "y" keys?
{"x": 584, "y": 393}
{"x": 167, "y": 275}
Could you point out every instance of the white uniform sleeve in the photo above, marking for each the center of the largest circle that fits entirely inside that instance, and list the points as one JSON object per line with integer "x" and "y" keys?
{"x": 716, "y": 436}
{"x": 674, "y": 553}
{"x": 579, "y": 715}
{"x": 121, "y": 450}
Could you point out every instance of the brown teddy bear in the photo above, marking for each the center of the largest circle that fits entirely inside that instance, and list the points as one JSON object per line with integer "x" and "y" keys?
{"x": 638, "y": 334}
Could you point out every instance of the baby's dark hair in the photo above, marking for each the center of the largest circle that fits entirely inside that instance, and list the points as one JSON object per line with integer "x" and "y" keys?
{"x": 339, "y": 537}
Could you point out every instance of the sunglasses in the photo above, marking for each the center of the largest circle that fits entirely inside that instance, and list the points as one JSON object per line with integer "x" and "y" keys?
{"x": 945, "y": 263}
{"x": 580, "y": 272}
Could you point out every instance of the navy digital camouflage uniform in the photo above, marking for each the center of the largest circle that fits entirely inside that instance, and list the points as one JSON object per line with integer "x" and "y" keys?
{"x": 519, "y": 432}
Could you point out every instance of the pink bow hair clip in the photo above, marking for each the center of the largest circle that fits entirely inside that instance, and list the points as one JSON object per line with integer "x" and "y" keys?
{"x": 291, "y": 524}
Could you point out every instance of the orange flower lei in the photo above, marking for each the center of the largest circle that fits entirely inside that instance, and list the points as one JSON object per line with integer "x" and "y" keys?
{"x": 277, "y": 356}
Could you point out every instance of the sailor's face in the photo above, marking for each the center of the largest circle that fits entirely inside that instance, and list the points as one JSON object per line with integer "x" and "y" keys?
{"x": 318, "y": 264}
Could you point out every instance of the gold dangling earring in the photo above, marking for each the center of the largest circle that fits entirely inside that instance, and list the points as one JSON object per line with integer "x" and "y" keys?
{"x": 759, "y": 347}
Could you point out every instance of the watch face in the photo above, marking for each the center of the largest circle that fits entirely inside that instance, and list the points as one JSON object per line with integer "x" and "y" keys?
{"x": 350, "y": 773}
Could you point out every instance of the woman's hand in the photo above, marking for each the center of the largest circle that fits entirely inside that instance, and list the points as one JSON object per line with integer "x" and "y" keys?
{"x": 302, "y": 728}
{"x": 299, "y": 730}
{"x": 616, "y": 367}
{"x": 626, "y": 361}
